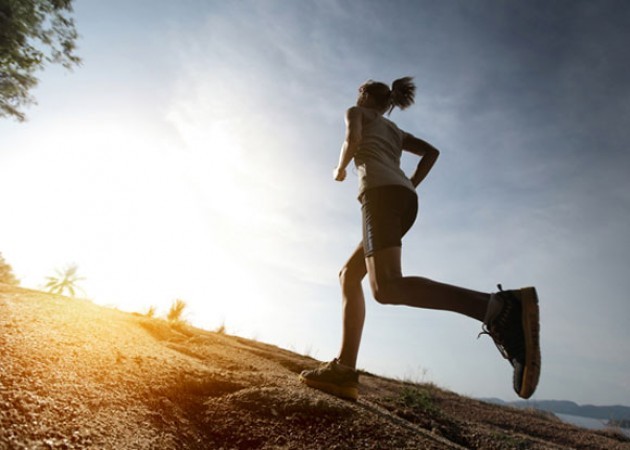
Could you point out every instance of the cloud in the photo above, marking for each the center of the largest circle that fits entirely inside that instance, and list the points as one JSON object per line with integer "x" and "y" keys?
{"x": 518, "y": 196}
{"x": 233, "y": 114}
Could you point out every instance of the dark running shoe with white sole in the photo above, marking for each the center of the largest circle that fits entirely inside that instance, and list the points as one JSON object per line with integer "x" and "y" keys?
{"x": 333, "y": 378}
{"x": 512, "y": 320}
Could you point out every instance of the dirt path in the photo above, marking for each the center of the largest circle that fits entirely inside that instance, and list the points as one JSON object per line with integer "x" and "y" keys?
{"x": 74, "y": 375}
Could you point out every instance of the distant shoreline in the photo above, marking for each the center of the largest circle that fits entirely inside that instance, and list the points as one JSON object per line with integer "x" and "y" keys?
{"x": 617, "y": 413}
{"x": 589, "y": 423}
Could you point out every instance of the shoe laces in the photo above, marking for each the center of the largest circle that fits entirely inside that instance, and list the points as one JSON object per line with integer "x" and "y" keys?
{"x": 502, "y": 331}
{"x": 334, "y": 366}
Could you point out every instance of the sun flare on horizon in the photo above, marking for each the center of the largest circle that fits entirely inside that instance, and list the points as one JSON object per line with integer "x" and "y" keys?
{"x": 150, "y": 216}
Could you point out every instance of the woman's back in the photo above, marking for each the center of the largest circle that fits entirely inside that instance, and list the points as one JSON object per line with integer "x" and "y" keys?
{"x": 378, "y": 155}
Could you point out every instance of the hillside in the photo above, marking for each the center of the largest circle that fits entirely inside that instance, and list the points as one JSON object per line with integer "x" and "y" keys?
{"x": 75, "y": 375}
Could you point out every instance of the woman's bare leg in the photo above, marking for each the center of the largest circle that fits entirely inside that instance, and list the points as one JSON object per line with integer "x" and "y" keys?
{"x": 389, "y": 286}
{"x": 353, "y": 311}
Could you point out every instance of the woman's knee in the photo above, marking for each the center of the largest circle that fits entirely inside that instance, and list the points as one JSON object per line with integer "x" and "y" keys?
{"x": 349, "y": 276}
{"x": 384, "y": 292}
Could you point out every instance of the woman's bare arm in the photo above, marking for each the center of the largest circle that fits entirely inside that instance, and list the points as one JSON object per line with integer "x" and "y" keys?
{"x": 428, "y": 155}
{"x": 351, "y": 142}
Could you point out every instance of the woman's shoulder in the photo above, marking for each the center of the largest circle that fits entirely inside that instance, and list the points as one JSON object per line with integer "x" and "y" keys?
{"x": 359, "y": 112}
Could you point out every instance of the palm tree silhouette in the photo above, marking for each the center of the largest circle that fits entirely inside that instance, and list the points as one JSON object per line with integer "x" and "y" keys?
{"x": 66, "y": 280}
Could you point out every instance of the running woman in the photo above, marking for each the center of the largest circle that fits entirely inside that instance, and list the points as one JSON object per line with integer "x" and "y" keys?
{"x": 389, "y": 206}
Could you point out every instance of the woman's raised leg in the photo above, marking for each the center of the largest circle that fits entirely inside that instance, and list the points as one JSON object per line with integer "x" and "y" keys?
{"x": 389, "y": 286}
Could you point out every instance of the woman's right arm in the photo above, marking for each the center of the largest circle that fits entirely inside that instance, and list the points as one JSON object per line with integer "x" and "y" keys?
{"x": 428, "y": 155}
{"x": 354, "y": 129}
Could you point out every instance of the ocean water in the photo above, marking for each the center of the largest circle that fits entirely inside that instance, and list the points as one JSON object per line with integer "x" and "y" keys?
{"x": 587, "y": 422}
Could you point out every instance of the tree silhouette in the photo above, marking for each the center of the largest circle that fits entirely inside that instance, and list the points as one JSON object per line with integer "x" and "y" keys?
{"x": 32, "y": 34}
{"x": 65, "y": 280}
{"x": 6, "y": 273}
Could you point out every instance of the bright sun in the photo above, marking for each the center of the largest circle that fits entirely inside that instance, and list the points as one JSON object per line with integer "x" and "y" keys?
{"x": 147, "y": 217}
{"x": 188, "y": 206}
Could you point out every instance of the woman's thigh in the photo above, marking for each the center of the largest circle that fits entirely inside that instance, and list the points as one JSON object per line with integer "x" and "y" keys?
{"x": 384, "y": 266}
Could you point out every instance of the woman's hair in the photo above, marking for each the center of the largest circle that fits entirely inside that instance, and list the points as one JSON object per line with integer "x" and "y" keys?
{"x": 401, "y": 94}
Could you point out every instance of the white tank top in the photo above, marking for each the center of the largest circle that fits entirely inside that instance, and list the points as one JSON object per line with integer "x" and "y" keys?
{"x": 378, "y": 157}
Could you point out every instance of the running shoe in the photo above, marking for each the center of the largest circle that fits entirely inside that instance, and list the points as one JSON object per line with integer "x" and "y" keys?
{"x": 512, "y": 321}
{"x": 333, "y": 378}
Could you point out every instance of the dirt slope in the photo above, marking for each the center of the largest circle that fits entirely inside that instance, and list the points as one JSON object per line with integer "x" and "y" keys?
{"x": 74, "y": 375}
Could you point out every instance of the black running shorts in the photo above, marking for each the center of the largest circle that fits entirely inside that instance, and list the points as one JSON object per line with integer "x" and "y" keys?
{"x": 388, "y": 213}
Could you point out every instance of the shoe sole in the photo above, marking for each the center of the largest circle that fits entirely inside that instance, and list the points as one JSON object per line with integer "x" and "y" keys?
{"x": 531, "y": 327}
{"x": 346, "y": 392}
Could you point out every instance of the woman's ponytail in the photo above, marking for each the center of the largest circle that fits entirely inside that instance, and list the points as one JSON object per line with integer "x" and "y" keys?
{"x": 402, "y": 93}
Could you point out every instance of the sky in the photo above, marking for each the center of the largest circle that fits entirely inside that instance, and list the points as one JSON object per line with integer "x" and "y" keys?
{"x": 190, "y": 157}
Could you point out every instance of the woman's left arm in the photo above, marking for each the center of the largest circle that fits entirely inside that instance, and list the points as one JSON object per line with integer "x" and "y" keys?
{"x": 350, "y": 143}
{"x": 428, "y": 155}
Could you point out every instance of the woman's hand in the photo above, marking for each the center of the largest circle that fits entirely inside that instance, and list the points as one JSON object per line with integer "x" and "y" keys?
{"x": 339, "y": 174}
